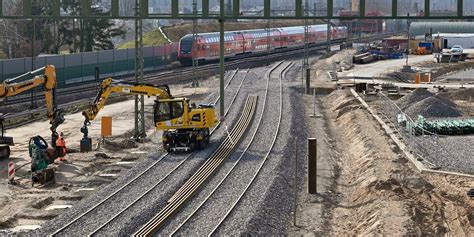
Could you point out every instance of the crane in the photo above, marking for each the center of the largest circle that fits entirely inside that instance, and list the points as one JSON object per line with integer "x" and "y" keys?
{"x": 185, "y": 126}
{"x": 46, "y": 77}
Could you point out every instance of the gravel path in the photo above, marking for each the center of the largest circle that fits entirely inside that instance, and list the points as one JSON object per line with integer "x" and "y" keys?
{"x": 131, "y": 193}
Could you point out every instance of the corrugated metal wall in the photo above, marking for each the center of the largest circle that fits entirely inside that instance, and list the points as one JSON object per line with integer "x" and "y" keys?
{"x": 421, "y": 28}
{"x": 80, "y": 67}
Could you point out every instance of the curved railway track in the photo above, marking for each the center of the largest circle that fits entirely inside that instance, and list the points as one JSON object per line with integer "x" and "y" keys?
{"x": 204, "y": 172}
{"x": 194, "y": 183}
{"x": 169, "y": 173}
{"x": 141, "y": 175}
{"x": 275, "y": 136}
{"x": 268, "y": 76}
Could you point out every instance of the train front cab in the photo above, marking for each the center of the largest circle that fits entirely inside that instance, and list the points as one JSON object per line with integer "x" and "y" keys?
{"x": 186, "y": 50}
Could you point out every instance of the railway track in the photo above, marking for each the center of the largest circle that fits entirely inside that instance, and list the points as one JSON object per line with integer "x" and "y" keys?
{"x": 141, "y": 176}
{"x": 110, "y": 220}
{"x": 204, "y": 172}
{"x": 283, "y": 68}
{"x": 170, "y": 76}
{"x": 263, "y": 161}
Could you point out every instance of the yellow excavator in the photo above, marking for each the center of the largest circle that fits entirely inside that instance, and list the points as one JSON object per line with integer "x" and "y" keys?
{"x": 46, "y": 77}
{"x": 185, "y": 126}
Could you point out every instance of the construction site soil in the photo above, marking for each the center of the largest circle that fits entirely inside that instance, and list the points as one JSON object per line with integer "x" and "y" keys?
{"x": 372, "y": 188}
{"x": 366, "y": 185}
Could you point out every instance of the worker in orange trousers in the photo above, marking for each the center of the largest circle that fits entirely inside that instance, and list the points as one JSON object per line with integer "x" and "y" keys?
{"x": 61, "y": 147}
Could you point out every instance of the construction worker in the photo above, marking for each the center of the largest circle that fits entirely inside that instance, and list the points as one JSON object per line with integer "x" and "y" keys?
{"x": 61, "y": 147}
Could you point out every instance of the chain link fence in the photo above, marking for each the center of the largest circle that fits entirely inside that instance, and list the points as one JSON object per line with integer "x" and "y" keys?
{"x": 80, "y": 67}
{"x": 452, "y": 153}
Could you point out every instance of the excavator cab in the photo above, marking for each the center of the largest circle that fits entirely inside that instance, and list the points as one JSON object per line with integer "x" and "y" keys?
{"x": 185, "y": 127}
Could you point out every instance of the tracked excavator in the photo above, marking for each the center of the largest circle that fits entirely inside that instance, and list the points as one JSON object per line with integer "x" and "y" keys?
{"x": 46, "y": 77}
{"x": 185, "y": 126}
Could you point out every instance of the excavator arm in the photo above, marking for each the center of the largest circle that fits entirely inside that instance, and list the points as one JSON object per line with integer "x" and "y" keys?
{"x": 109, "y": 86}
{"x": 18, "y": 85}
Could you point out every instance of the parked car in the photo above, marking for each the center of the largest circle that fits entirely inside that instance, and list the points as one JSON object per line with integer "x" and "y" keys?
{"x": 457, "y": 49}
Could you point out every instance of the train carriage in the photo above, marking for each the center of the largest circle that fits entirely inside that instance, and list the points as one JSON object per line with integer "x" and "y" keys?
{"x": 253, "y": 41}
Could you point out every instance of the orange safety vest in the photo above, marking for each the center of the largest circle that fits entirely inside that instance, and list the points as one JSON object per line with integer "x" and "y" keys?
{"x": 60, "y": 142}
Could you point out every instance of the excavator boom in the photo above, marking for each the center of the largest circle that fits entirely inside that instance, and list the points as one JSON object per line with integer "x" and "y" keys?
{"x": 46, "y": 77}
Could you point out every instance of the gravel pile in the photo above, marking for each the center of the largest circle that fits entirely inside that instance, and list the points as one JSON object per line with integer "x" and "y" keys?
{"x": 466, "y": 94}
{"x": 414, "y": 97}
{"x": 432, "y": 107}
{"x": 422, "y": 102}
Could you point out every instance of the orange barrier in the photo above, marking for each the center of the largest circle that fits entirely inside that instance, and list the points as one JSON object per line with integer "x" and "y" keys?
{"x": 106, "y": 126}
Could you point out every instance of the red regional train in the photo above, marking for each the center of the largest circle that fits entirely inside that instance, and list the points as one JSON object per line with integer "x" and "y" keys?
{"x": 253, "y": 41}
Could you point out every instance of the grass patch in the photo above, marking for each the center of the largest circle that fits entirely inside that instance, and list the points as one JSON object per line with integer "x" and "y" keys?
{"x": 151, "y": 38}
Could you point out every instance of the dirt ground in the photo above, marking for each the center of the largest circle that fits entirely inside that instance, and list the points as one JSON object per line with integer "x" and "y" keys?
{"x": 25, "y": 207}
{"x": 366, "y": 186}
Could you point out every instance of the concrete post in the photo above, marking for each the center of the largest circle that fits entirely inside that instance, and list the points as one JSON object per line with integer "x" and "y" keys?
{"x": 308, "y": 80}
{"x": 312, "y": 165}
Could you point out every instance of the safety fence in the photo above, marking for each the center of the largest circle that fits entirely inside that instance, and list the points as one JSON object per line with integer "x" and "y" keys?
{"x": 80, "y": 67}
{"x": 437, "y": 151}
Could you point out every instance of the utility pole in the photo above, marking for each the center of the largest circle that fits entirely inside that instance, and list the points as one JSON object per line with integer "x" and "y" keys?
{"x": 328, "y": 36}
{"x": 306, "y": 45}
{"x": 408, "y": 37}
{"x": 139, "y": 99}
{"x": 221, "y": 61}
{"x": 195, "y": 54}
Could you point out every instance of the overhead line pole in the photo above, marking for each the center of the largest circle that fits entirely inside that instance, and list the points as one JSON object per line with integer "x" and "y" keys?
{"x": 139, "y": 99}
{"x": 221, "y": 60}
{"x": 195, "y": 53}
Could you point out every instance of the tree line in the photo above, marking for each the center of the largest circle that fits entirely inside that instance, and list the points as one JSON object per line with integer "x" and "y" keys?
{"x": 26, "y": 38}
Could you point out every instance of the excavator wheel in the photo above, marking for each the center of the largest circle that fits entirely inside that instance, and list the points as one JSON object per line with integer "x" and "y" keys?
{"x": 167, "y": 147}
{"x": 201, "y": 144}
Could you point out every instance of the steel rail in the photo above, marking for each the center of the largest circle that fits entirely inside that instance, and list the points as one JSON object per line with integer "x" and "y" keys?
{"x": 261, "y": 164}
{"x": 170, "y": 172}
{"x": 75, "y": 88}
{"x": 239, "y": 158}
{"x": 205, "y": 171}
{"x": 130, "y": 182}
{"x": 264, "y": 103}
{"x": 182, "y": 70}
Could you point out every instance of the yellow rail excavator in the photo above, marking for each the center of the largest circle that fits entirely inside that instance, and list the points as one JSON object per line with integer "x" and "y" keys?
{"x": 185, "y": 126}
{"x": 46, "y": 77}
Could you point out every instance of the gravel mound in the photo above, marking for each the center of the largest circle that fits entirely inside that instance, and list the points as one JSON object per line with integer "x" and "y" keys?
{"x": 416, "y": 96}
{"x": 433, "y": 106}
{"x": 461, "y": 94}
